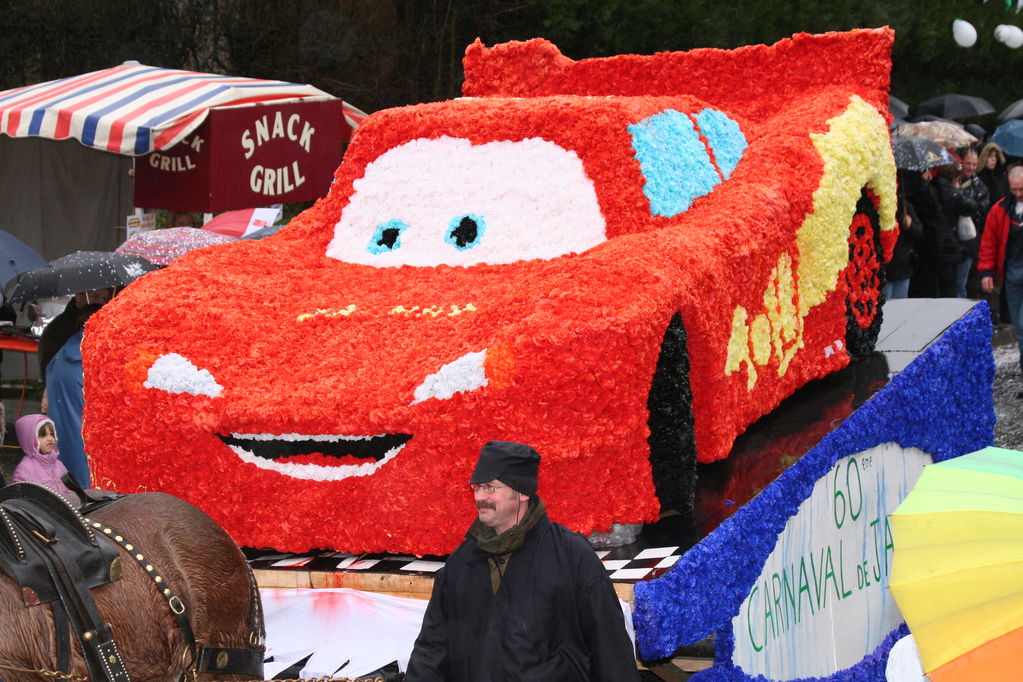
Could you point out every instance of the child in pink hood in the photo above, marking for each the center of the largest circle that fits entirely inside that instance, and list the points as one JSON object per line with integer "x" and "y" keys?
{"x": 38, "y": 439}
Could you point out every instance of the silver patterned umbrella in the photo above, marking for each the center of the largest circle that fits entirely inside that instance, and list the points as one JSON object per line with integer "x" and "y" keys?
{"x": 918, "y": 153}
{"x": 165, "y": 246}
{"x": 78, "y": 272}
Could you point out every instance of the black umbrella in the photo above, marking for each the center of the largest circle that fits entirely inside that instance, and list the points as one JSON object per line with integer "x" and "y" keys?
{"x": 977, "y": 131}
{"x": 954, "y": 105}
{"x": 897, "y": 108}
{"x": 78, "y": 272}
{"x": 918, "y": 153}
{"x": 1014, "y": 110}
{"x": 16, "y": 257}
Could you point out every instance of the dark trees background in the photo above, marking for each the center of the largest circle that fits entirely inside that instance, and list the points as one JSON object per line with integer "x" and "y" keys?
{"x": 381, "y": 53}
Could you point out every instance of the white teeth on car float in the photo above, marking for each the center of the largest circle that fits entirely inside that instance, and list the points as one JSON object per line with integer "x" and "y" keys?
{"x": 311, "y": 472}
{"x": 464, "y": 374}
{"x": 176, "y": 374}
{"x": 332, "y": 438}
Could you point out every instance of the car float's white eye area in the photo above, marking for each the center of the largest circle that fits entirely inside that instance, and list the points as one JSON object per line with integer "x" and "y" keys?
{"x": 447, "y": 201}
{"x": 176, "y": 374}
{"x": 464, "y": 374}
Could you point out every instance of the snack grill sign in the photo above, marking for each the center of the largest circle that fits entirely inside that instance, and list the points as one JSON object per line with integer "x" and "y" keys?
{"x": 247, "y": 156}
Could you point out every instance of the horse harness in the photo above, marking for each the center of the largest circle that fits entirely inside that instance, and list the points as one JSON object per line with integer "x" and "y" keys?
{"x": 56, "y": 555}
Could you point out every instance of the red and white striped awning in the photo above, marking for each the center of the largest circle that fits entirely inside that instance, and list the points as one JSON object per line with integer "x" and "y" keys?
{"x": 134, "y": 109}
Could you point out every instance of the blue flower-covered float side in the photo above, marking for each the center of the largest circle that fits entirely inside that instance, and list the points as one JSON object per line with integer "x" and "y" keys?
{"x": 941, "y": 404}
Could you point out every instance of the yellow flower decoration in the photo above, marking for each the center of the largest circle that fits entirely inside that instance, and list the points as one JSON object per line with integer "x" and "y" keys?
{"x": 857, "y": 153}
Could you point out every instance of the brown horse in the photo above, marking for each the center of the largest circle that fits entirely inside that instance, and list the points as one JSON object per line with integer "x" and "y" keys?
{"x": 196, "y": 560}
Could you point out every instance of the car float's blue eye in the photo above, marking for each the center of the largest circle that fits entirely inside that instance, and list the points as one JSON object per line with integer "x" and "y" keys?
{"x": 387, "y": 237}
{"x": 465, "y": 232}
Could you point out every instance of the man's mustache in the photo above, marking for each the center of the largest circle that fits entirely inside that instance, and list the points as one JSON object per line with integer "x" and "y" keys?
{"x": 483, "y": 504}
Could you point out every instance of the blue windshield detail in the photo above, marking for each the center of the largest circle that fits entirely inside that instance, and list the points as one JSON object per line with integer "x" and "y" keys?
{"x": 725, "y": 138}
{"x": 674, "y": 162}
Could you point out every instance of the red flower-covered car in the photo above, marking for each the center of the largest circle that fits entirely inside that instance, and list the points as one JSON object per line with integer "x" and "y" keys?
{"x": 622, "y": 276}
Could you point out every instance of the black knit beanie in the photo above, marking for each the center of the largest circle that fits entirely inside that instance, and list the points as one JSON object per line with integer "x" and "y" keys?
{"x": 514, "y": 464}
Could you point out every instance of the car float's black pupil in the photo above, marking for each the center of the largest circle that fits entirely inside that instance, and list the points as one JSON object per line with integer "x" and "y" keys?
{"x": 465, "y": 233}
{"x": 388, "y": 237}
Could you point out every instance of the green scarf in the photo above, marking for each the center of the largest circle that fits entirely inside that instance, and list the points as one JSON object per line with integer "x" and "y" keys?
{"x": 499, "y": 546}
{"x": 492, "y": 542}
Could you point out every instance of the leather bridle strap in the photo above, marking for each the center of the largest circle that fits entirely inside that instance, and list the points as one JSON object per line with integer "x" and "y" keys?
{"x": 94, "y": 636}
{"x": 62, "y": 636}
{"x": 177, "y": 606}
{"x": 229, "y": 661}
{"x": 257, "y": 628}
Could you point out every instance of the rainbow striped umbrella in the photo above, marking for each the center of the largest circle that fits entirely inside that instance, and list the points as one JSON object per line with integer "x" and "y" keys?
{"x": 958, "y": 568}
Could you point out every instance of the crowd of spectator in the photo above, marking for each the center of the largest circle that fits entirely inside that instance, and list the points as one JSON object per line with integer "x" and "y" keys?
{"x": 942, "y": 212}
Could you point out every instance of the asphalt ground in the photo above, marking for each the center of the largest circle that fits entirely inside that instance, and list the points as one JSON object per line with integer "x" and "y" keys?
{"x": 1008, "y": 383}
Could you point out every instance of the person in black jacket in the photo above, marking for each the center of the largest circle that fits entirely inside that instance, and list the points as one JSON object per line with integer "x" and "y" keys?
{"x": 521, "y": 598}
{"x": 56, "y": 334}
{"x": 938, "y": 250}
{"x": 899, "y": 269}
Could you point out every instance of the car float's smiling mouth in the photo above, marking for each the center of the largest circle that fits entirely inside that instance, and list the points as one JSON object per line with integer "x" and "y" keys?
{"x": 316, "y": 458}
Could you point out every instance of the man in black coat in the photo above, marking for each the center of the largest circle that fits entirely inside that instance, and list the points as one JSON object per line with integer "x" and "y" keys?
{"x": 522, "y": 598}
{"x": 938, "y": 249}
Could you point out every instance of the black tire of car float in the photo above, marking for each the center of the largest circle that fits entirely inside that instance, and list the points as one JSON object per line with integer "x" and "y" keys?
{"x": 860, "y": 340}
{"x": 670, "y": 407}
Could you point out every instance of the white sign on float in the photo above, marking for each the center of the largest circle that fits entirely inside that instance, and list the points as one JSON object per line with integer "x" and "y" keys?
{"x": 821, "y": 603}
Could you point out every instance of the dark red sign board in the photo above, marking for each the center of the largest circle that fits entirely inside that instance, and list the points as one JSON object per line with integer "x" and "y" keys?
{"x": 245, "y": 157}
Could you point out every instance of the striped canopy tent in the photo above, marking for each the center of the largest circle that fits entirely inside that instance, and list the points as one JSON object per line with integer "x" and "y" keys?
{"x": 128, "y": 112}
{"x": 135, "y": 109}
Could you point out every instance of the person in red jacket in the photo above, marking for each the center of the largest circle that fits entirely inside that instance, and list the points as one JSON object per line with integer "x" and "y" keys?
{"x": 1001, "y": 253}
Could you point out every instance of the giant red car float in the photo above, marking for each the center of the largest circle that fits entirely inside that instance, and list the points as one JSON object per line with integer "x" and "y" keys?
{"x": 623, "y": 262}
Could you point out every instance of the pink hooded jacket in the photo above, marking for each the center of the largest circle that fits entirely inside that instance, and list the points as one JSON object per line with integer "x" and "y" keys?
{"x": 35, "y": 466}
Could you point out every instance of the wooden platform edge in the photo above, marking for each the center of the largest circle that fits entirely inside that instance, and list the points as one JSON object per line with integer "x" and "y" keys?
{"x": 395, "y": 584}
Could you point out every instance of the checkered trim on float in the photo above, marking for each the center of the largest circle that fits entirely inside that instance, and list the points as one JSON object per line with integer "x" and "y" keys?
{"x": 648, "y": 563}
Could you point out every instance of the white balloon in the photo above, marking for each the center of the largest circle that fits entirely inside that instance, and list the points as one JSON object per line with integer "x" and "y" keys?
{"x": 964, "y": 33}
{"x": 1011, "y": 35}
{"x": 1015, "y": 37}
